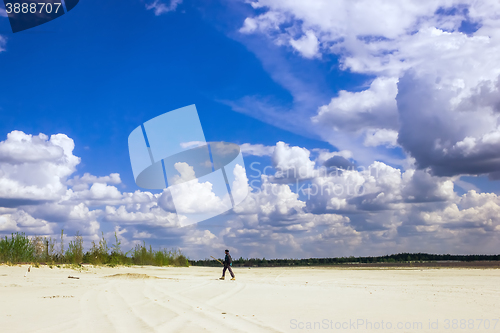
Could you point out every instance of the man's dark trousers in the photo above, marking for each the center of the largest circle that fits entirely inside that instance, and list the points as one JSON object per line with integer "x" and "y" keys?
{"x": 230, "y": 271}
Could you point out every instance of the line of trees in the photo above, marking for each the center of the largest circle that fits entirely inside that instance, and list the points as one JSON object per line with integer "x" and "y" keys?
{"x": 20, "y": 248}
{"x": 393, "y": 258}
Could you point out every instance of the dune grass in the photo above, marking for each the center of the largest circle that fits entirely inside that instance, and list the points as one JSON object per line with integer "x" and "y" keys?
{"x": 20, "y": 248}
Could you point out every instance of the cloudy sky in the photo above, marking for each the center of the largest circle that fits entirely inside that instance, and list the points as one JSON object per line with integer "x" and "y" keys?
{"x": 367, "y": 127}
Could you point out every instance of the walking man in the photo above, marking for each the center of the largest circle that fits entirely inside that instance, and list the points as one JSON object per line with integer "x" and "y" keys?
{"x": 228, "y": 262}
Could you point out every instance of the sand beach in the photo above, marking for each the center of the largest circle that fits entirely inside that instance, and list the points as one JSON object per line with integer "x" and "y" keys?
{"x": 319, "y": 299}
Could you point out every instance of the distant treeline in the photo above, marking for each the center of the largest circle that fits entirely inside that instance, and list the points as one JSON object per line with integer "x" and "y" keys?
{"x": 394, "y": 258}
{"x": 20, "y": 248}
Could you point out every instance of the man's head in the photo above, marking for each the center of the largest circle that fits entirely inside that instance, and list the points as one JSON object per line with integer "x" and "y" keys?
{"x": 227, "y": 251}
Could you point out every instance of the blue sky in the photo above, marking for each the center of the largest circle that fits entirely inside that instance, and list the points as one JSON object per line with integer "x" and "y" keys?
{"x": 296, "y": 86}
{"x": 96, "y": 82}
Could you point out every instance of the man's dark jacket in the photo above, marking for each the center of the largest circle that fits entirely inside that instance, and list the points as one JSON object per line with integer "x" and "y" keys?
{"x": 228, "y": 261}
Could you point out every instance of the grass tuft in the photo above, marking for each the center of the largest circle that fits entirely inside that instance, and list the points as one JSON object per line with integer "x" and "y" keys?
{"x": 20, "y": 248}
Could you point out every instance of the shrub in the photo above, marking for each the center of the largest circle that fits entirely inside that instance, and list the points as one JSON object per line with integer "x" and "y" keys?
{"x": 74, "y": 253}
{"x": 21, "y": 248}
{"x": 17, "y": 249}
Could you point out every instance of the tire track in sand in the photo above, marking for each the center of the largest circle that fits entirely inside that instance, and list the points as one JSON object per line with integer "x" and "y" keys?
{"x": 104, "y": 310}
{"x": 208, "y": 316}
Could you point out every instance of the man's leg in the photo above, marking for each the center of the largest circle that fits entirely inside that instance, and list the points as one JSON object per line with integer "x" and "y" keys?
{"x": 224, "y": 271}
{"x": 230, "y": 271}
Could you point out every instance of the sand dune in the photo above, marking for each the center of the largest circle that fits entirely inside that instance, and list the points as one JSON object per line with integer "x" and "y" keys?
{"x": 153, "y": 299}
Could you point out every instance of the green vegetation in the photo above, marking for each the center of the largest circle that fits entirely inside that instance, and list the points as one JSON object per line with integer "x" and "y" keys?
{"x": 394, "y": 258}
{"x": 74, "y": 254}
{"x": 142, "y": 256}
{"x": 20, "y": 248}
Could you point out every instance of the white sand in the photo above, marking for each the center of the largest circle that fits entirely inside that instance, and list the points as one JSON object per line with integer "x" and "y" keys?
{"x": 260, "y": 300}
